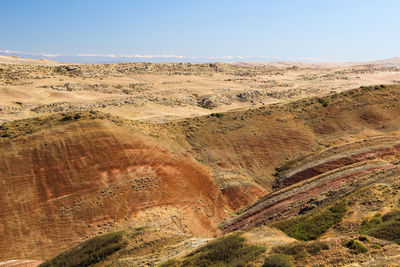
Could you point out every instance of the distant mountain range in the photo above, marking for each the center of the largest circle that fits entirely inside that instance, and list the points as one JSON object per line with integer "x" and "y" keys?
{"x": 14, "y": 57}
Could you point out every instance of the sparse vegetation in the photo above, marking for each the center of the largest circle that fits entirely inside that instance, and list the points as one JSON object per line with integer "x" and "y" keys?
{"x": 296, "y": 250}
{"x": 230, "y": 250}
{"x": 5, "y": 135}
{"x": 299, "y": 251}
{"x": 14, "y": 129}
{"x": 313, "y": 225}
{"x": 376, "y": 87}
{"x": 363, "y": 239}
{"x": 278, "y": 260}
{"x": 218, "y": 115}
{"x": 316, "y": 246}
{"x": 384, "y": 227}
{"x": 290, "y": 163}
{"x": 376, "y": 246}
{"x": 66, "y": 118}
{"x": 356, "y": 247}
{"x": 89, "y": 252}
{"x": 323, "y": 102}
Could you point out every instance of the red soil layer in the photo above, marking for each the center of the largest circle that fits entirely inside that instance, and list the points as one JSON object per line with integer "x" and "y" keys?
{"x": 337, "y": 163}
{"x": 243, "y": 195}
{"x": 63, "y": 187}
{"x": 282, "y": 208}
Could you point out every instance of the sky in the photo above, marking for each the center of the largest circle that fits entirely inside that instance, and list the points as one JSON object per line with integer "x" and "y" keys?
{"x": 200, "y": 30}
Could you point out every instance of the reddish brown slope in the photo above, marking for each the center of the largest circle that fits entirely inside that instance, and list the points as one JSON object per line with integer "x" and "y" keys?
{"x": 243, "y": 148}
{"x": 62, "y": 186}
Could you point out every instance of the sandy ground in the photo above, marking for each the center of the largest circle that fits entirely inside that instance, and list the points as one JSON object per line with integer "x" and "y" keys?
{"x": 162, "y": 92}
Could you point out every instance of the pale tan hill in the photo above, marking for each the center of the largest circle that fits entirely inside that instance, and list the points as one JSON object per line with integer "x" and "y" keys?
{"x": 299, "y": 64}
{"x": 391, "y": 62}
{"x": 26, "y": 61}
{"x": 171, "y": 91}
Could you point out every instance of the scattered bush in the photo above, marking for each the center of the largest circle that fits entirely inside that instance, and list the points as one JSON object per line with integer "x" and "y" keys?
{"x": 297, "y": 250}
{"x": 376, "y": 246}
{"x": 367, "y": 225}
{"x": 356, "y": 246}
{"x": 218, "y": 115}
{"x": 89, "y": 252}
{"x": 379, "y": 87}
{"x": 226, "y": 251}
{"x": 278, "y": 260}
{"x": 300, "y": 250}
{"x": 376, "y": 87}
{"x": 323, "y": 102}
{"x": 66, "y": 118}
{"x": 384, "y": 227}
{"x": 363, "y": 239}
{"x": 289, "y": 164}
{"x": 5, "y": 135}
{"x": 393, "y": 215}
{"x": 317, "y": 246}
{"x": 312, "y": 225}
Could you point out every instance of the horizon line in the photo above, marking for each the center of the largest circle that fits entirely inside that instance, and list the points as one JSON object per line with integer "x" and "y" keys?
{"x": 7, "y": 52}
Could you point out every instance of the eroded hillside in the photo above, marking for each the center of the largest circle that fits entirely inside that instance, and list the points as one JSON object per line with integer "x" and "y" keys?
{"x": 89, "y": 176}
{"x": 74, "y": 175}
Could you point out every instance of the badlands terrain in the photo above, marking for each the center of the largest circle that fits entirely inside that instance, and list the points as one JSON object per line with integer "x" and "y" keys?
{"x": 176, "y": 164}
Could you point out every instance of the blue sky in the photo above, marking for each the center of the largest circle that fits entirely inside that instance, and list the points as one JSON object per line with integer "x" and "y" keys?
{"x": 208, "y": 30}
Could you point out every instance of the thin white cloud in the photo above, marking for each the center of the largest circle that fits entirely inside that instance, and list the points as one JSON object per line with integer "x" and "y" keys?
{"x": 96, "y": 55}
{"x": 163, "y": 56}
{"x": 29, "y": 54}
{"x": 130, "y": 56}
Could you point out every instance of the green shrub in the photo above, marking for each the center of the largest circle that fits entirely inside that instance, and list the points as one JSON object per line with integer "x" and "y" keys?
{"x": 89, "y": 252}
{"x": 388, "y": 231}
{"x": 218, "y": 115}
{"x": 317, "y": 246}
{"x": 312, "y": 225}
{"x": 356, "y": 246}
{"x": 66, "y": 118}
{"x": 297, "y": 250}
{"x": 379, "y": 87}
{"x": 278, "y": 260}
{"x": 5, "y": 135}
{"x": 323, "y": 102}
{"x": 372, "y": 223}
{"x": 384, "y": 227}
{"x": 363, "y": 239}
{"x": 229, "y": 250}
{"x": 393, "y": 215}
{"x": 376, "y": 246}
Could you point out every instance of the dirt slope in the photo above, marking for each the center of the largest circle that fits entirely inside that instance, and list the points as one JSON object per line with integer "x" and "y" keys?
{"x": 75, "y": 180}
{"x": 244, "y": 148}
{"x": 71, "y": 182}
